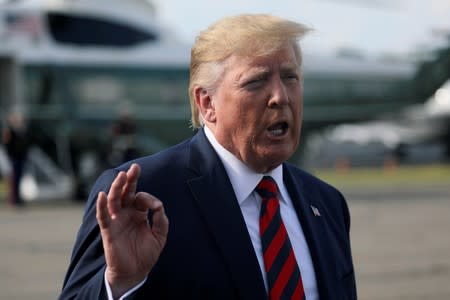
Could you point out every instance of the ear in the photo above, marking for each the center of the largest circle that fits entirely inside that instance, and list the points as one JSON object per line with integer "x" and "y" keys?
{"x": 205, "y": 104}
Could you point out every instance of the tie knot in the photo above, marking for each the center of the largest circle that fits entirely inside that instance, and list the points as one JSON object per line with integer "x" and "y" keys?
{"x": 267, "y": 188}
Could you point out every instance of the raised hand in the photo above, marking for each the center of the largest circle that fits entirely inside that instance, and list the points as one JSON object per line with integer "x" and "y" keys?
{"x": 131, "y": 246}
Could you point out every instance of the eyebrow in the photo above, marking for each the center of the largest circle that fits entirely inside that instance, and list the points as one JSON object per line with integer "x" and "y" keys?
{"x": 254, "y": 71}
{"x": 289, "y": 67}
{"x": 262, "y": 71}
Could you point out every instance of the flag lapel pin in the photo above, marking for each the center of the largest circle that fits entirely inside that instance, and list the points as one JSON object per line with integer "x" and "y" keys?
{"x": 315, "y": 211}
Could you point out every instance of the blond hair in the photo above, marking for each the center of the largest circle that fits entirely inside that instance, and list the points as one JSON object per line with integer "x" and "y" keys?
{"x": 244, "y": 35}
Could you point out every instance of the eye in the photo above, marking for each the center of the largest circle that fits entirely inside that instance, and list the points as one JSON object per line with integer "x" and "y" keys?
{"x": 291, "y": 77}
{"x": 254, "y": 82}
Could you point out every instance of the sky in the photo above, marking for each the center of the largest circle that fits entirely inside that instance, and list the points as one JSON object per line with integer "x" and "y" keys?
{"x": 373, "y": 27}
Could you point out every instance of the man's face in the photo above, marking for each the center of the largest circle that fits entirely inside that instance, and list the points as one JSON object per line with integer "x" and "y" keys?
{"x": 258, "y": 108}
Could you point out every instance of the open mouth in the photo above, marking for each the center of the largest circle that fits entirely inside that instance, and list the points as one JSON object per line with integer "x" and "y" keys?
{"x": 279, "y": 129}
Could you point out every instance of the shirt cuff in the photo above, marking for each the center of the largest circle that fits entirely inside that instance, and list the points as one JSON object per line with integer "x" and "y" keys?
{"x": 128, "y": 293}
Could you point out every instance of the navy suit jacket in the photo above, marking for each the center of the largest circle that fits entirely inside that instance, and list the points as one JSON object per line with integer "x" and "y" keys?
{"x": 209, "y": 253}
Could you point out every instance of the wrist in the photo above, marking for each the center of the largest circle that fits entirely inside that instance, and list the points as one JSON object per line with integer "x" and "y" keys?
{"x": 120, "y": 285}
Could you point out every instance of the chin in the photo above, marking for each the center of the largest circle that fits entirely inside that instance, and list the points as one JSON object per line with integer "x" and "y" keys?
{"x": 268, "y": 158}
{"x": 283, "y": 151}
{"x": 278, "y": 157}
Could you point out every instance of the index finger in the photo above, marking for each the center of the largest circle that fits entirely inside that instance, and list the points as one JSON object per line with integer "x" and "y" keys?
{"x": 129, "y": 190}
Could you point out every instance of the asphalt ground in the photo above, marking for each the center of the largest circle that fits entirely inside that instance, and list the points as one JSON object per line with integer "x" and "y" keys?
{"x": 400, "y": 240}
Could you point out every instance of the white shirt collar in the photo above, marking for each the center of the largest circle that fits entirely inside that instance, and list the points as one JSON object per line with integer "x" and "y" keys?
{"x": 243, "y": 179}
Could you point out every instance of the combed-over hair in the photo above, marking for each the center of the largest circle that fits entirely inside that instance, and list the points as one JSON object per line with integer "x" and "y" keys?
{"x": 243, "y": 35}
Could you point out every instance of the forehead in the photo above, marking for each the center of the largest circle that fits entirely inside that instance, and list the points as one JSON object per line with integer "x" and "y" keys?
{"x": 284, "y": 58}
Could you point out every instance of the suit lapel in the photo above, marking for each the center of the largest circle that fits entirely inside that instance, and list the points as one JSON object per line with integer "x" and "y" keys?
{"x": 314, "y": 228}
{"x": 217, "y": 202}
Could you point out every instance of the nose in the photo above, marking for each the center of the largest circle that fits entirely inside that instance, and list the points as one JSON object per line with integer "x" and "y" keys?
{"x": 278, "y": 95}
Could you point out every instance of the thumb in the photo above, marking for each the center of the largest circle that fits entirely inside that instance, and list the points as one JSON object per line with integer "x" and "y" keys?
{"x": 159, "y": 220}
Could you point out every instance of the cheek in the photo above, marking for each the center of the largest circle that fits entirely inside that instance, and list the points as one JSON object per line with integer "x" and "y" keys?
{"x": 227, "y": 113}
{"x": 297, "y": 107}
{"x": 244, "y": 113}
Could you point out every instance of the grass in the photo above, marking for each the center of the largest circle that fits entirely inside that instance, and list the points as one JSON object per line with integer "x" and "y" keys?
{"x": 388, "y": 176}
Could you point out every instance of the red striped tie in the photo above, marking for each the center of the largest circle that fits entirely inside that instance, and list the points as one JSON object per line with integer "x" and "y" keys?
{"x": 283, "y": 274}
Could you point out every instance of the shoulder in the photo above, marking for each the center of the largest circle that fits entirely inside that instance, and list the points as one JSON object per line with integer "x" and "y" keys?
{"x": 161, "y": 171}
{"x": 309, "y": 181}
{"x": 317, "y": 191}
{"x": 170, "y": 157}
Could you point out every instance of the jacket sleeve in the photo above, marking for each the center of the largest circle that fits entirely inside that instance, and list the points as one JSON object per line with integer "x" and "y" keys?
{"x": 349, "y": 281}
{"x": 85, "y": 276}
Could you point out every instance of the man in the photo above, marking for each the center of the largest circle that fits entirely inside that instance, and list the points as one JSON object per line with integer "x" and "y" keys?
{"x": 123, "y": 138}
{"x": 17, "y": 142}
{"x": 243, "y": 223}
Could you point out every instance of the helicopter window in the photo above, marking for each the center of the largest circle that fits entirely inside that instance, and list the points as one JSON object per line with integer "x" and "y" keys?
{"x": 110, "y": 86}
{"x": 89, "y": 31}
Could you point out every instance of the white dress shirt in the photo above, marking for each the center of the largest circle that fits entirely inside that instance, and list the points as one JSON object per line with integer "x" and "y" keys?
{"x": 244, "y": 181}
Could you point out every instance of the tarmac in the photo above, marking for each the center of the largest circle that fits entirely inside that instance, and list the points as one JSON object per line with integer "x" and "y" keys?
{"x": 400, "y": 241}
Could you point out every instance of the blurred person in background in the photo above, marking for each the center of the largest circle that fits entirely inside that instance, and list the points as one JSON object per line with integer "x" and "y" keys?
{"x": 17, "y": 142}
{"x": 244, "y": 223}
{"x": 123, "y": 138}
